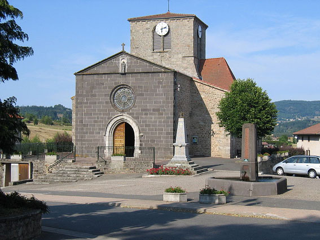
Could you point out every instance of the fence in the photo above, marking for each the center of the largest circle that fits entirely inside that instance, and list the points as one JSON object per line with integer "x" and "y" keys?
{"x": 131, "y": 153}
{"x": 39, "y": 150}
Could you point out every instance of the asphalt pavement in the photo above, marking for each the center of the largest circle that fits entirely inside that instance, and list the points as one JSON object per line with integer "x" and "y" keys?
{"x": 137, "y": 191}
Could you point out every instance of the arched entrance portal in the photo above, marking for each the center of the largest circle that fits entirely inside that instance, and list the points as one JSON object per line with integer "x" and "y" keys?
{"x": 123, "y": 140}
{"x": 131, "y": 134}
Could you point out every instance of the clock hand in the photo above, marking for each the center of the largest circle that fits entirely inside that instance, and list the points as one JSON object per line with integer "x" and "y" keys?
{"x": 163, "y": 28}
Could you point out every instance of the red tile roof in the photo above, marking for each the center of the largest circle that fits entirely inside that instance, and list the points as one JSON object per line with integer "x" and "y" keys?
{"x": 313, "y": 130}
{"x": 165, "y": 16}
{"x": 217, "y": 72}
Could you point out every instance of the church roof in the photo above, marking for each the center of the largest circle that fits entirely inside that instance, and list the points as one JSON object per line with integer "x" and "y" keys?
{"x": 165, "y": 16}
{"x": 216, "y": 72}
{"x": 313, "y": 130}
{"x": 85, "y": 70}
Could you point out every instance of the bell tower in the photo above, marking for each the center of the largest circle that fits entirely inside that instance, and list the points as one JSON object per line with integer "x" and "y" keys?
{"x": 176, "y": 41}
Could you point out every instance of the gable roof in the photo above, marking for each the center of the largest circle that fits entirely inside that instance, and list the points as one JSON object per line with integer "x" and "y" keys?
{"x": 87, "y": 69}
{"x": 166, "y": 16}
{"x": 217, "y": 72}
{"x": 313, "y": 130}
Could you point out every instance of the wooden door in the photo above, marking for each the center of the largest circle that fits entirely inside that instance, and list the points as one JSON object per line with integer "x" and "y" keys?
{"x": 8, "y": 174}
{"x": 23, "y": 171}
{"x": 119, "y": 139}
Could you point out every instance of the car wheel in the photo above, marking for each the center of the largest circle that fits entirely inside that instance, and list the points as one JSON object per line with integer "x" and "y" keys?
{"x": 312, "y": 174}
{"x": 280, "y": 171}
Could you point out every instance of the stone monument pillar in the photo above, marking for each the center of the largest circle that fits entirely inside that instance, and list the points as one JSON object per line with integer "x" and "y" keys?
{"x": 249, "y": 167}
{"x": 181, "y": 151}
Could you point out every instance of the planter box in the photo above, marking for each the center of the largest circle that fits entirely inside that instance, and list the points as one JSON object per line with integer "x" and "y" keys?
{"x": 16, "y": 157}
{"x": 50, "y": 158}
{"x": 118, "y": 158}
{"x": 175, "y": 197}
{"x": 213, "y": 198}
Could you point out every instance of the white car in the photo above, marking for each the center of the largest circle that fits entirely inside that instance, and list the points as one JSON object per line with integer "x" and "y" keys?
{"x": 300, "y": 165}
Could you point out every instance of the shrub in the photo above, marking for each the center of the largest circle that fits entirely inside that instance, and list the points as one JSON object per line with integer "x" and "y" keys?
{"x": 51, "y": 153}
{"x": 62, "y": 138}
{"x": 14, "y": 201}
{"x": 296, "y": 151}
{"x": 175, "y": 190}
{"x": 210, "y": 191}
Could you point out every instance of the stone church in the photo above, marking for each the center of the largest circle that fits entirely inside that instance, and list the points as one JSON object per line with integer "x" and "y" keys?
{"x": 135, "y": 99}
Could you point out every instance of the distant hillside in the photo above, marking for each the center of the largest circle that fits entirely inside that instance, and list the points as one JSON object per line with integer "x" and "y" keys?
{"x": 288, "y": 128}
{"x": 56, "y": 112}
{"x": 297, "y": 110}
{"x": 296, "y": 115}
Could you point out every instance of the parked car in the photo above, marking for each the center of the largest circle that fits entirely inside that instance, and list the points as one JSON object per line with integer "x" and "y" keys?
{"x": 300, "y": 165}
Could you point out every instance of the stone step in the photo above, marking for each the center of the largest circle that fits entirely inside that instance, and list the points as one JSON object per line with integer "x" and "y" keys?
{"x": 70, "y": 173}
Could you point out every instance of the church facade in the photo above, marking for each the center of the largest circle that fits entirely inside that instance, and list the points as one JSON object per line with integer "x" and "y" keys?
{"x": 135, "y": 99}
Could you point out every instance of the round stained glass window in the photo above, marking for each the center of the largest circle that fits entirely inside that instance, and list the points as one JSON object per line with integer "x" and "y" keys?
{"x": 123, "y": 98}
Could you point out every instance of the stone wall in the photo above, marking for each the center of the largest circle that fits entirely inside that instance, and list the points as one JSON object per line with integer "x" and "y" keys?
{"x": 199, "y": 103}
{"x": 39, "y": 168}
{"x": 183, "y": 55}
{"x": 2, "y": 175}
{"x": 25, "y": 226}
{"x": 128, "y": 166}
{"x": 152, "y": 112}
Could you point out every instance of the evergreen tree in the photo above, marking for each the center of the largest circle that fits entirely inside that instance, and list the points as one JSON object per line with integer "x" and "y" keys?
{"x": 247, "y": 103}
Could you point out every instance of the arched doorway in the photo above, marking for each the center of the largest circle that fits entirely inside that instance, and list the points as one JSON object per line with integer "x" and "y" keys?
{"x": 123, "y": 140}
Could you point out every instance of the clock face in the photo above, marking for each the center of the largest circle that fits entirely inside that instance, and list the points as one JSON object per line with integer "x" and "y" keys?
{"x": 199, "y": 31}
{"x": 123, "y": 98}
{"x": 162, "y": 28}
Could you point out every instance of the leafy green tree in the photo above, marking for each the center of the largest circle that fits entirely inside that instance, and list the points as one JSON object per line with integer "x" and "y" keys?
{"x": 10, "y": 33}
{"x": 283, "y": 139}
{"x": 11, "y": 125}
{"x": 46, "y": 120}
{"x": 35, "y": 121}
{"x": 247, "y": 103}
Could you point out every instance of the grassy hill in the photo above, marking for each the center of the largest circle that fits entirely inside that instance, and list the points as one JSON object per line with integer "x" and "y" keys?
{"x": 45, "y": 132}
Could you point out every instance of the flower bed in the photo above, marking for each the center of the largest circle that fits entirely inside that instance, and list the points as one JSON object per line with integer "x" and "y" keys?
{"x": 169, "y": 171}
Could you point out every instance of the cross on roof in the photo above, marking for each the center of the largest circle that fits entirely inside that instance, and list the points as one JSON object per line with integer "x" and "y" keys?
{"x": 122, "y": 46}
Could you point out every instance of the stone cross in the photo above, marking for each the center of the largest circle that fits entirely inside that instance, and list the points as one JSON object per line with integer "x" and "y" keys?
{"x": 123, "y": 46}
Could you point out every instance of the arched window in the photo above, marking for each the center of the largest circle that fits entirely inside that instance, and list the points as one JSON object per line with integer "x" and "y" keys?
{"x": 161, "y": 43}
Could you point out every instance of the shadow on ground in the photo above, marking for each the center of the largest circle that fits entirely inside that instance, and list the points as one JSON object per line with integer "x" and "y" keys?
{"x": 110, "y": 222}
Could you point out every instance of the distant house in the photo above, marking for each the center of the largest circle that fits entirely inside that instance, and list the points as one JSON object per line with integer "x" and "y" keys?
{"x": 309, "y": 139}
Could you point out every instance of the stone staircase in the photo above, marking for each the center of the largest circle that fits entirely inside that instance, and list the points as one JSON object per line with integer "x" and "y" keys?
{"x": 197, "y": 169}
{"x": 71, "y": 172}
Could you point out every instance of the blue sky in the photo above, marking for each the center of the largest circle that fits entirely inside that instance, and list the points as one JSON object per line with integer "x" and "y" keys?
{"x": 275, "y": 42}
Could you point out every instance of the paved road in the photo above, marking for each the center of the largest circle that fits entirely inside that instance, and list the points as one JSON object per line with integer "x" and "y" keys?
{"x": 99, "y": 221}
{"x": 120, "y": 206}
